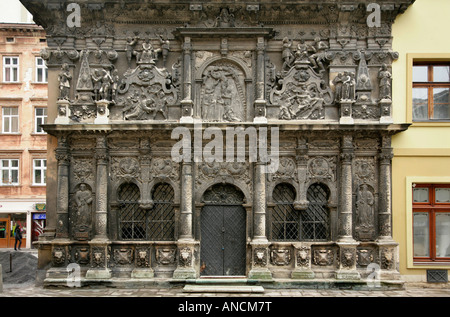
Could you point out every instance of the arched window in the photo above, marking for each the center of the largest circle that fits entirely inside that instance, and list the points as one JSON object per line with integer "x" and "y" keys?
{"x": 285, "y": 219}
{"x": 161, "y": 218}
{"x": 131, "y": 217}
{"x": 314, "y": 220}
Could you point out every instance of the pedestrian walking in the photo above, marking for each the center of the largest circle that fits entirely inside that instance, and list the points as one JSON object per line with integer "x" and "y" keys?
{"x": 18, "y": 237}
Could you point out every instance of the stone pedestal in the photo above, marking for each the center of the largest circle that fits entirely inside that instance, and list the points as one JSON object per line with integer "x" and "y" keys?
{"x": 99, "y": 260}
{"x": 63, "y": 112}
{"x": 346, "y": 112}
{"x": 302, "y": 260}
{"x": 186, "y": 260}
{"x": 102, "y": 112}
{"x": 260, "y": 260}
{"x": 385, "y": 110}
{"x": 347, "y": 263}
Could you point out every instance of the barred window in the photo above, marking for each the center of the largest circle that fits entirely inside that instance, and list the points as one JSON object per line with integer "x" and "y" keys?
{"x": 131, "y": 217}
{"x": 161, "y": 219}
{"x": 285, "y": 219}
{"x": 311, "y": 224}
{"x": 155, "y": 224}
{"x": 315, "y": 219}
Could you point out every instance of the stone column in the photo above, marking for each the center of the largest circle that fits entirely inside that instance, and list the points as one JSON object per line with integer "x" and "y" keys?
{"x": 260, "y": 244}
{"x": 101, "y": 191}
{"x": 302, "y": 165}
{"x": 62, "y": 203}
{"x": 260, "y": 102}
{"x": 100, "y": 245}
{"x": 186, "y": 244}
{"x": 346, "y": 200}
{"x": 187, "y": 103}
{"x": 385, "y": 215}
{"x": 347, "y": 245}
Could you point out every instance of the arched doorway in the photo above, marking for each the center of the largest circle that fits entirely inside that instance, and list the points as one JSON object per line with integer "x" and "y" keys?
{"x": 223, "y": 232}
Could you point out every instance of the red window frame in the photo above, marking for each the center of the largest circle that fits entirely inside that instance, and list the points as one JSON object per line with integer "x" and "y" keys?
{"x": 431, "y": 208}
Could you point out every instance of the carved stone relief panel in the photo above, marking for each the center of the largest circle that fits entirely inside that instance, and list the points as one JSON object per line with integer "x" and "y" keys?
{"x": 82, "y": 204}
{"x": 322, "y": 168}
{"x": 222, "y": 93}
{"x": 81, "y": 254}
{"x": 324, "y": 256}
{"x": 280, "y": 256}
{"x": 122, "y": 255}
{"x": 165, "y": 255}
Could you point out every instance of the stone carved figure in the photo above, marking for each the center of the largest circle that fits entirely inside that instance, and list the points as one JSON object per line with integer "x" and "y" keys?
{"x": 83, "y": 200}
{"x": 225, "y": 19}
{"x": 338, "y": 85}
{"x": 348, "y": 86}
{"x": 287, "y": 55}
{"x": 64, "y": 79}
{"x": 385, "y": 82}
{"x": 364, "y": 207}
{"x": 221, "y": 98}
{"x": 318, "y": 57}
{"x": 131, "y": 42}
{"x": 148, "y": 54}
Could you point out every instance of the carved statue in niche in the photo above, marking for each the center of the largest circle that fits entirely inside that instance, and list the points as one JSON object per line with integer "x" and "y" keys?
{"x": 365, "y": 213}
{"x": 64, "y": 79}
{"x": 221, "y": 98}
{"x": 385, "y": 82}
{"x": 83, "y": 200}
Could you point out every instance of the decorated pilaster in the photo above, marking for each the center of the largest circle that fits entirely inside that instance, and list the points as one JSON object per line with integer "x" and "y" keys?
{"x": 187, "y": 104}
{"x": 347, "y": 245}
{"x": 260, "y": 102}
{"x": 260, "y": 244}
{"x": 100, "y": 245}
{"x": 62, "y": 154}
{"x": 186, "y": 244}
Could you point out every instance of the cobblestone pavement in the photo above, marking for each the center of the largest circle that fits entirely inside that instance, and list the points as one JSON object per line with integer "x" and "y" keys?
{"x": 17, "y": 290}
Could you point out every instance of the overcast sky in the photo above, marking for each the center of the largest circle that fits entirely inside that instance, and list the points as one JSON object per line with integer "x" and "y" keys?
{"x": 12, "y": 11}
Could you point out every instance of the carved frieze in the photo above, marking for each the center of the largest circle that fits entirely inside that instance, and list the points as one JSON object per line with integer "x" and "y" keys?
{"x": 323, "y": 256}
{"x": 81, "y": 255}
{"x": 122, "y": 256}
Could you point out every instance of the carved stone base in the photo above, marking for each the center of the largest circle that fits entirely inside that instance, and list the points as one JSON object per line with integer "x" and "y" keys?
{"x": 184, "y": 274}
{"x": 98, "y": 273}
{"x": 348, "y": 275}
{"x": 142, "y": 273}
{"x": 302, "y": 274}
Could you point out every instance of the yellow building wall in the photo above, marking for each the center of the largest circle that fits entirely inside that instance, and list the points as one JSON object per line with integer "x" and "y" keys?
{"x": 422, "y": 153}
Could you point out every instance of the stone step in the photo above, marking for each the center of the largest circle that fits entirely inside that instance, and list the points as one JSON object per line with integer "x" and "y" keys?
{"x": 203, "y": 288}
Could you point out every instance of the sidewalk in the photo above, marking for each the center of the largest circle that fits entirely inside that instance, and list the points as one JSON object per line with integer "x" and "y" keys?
{"x": 15, "y": 290}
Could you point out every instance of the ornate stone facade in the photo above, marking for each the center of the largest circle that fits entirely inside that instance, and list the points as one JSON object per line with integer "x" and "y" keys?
{"x": 313, "y": 73}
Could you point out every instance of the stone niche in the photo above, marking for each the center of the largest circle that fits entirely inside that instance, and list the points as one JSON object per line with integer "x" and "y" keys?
{"x": 311, "y": 75}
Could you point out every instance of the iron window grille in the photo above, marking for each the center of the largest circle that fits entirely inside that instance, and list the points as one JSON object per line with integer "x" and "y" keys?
{"x": 155, "y": 224}
{"x": 289, "y": 224}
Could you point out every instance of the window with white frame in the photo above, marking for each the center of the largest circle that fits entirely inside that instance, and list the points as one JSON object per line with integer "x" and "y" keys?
{"x": 40, "y": 117}
{"x": 9, "y": 172}
{"x": 10, "y": 119}
{"x": 11, "y": 69}
{"x": 39, "y": 171}
{"x": 41, "y": 71}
